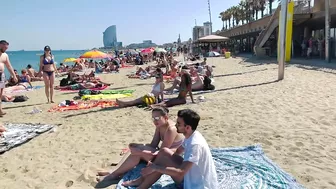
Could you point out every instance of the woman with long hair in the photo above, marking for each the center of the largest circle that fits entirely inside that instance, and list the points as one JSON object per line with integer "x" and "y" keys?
{"x": 48, "y": 67}
{"x": 165, "y": 133}
{"x": 185, "y": 88}
{"x": 155, "y": 96}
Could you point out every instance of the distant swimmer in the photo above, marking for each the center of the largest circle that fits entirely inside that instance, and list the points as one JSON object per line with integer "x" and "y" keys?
{"x": 4, "y": 60}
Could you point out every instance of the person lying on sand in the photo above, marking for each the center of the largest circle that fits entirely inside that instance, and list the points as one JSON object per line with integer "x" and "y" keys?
{"x": 195, "y": 169}
{"x": 155, "y": 96}
{"x": 165, "y": 132}
{"x": 87, "y": 85}
{"x": 184, "y": 90}
{"x": 7, "y": 98}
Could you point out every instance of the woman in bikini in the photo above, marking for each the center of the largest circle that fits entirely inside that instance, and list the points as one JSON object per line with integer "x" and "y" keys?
{"x": 48, "y": 67}
{"x": 25, "y": 78}
{"x": 184, "y": 90}
{"x": 165, "y": 131}
{"x": 155, "y": 96}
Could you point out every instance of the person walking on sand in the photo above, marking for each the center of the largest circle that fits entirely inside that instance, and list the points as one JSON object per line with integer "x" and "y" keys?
{"x": 4, "y": 61}
{"x": 48, "y": 66}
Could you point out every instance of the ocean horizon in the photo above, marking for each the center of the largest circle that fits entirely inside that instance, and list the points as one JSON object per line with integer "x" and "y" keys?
{"x": 20, "y": 59}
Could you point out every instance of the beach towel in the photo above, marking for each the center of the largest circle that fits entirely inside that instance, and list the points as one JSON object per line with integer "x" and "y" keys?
{"x": 17, "y": 134}
{"x": 105, "y": 96}
{"x": 84, "y": 105}
{"x": 93, "y": 92}
{"x": 175, "y": 91}
{"x": 117, "y": 91}
{"x": 96, "y": 89}
{"x": 20, "y": 89}
{"x": 241, "y": 167}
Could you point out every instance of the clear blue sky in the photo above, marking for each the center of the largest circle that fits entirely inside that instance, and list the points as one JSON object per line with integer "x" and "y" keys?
{"x": 79, "y": 24}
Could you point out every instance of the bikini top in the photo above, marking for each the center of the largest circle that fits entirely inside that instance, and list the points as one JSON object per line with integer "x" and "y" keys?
{"x": 45, "y": 61}
{"x": 24, "y": 79}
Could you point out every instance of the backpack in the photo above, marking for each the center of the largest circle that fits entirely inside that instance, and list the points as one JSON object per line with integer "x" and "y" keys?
{"x": 207, "y": 84}
{"x": 20, "y": 98}
{"x": 88, "y": 92}
{"x": 64, "y": 82}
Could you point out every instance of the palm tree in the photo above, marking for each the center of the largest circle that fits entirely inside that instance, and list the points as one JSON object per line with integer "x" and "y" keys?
{"x": 243, "y": 11}
{"x": 235, "y": 15}
{"x": 270, "y": 6}
{"x": 261, "y": 6}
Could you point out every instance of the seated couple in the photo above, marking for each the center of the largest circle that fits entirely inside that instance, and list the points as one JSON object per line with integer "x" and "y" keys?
{"x": 199, "y": 80}
{"x": 24, "y": 78}
{"x": 152, "y": 99}
{"x": 195, "y": 170}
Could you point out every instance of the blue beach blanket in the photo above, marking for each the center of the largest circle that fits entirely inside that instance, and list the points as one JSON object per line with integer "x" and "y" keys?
{"x": 242, "y": 167}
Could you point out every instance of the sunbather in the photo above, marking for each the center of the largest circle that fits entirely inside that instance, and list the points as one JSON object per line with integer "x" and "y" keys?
{"x": 197, "y": 81}
{"x": 165, "y": 131}
{"x": 184, "y": 90}
{"x": 87, "y": 85}
{"x": 25, "y": 78}
{"x": 155, "y": 96}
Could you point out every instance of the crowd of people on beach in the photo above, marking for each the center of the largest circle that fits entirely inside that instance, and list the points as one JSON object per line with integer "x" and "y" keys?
{"x": 183, "y": 154}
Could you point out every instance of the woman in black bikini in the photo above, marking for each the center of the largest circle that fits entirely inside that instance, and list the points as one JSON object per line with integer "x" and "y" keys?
{"x": 48, "y": 66}
{"x": 184, "y": 90}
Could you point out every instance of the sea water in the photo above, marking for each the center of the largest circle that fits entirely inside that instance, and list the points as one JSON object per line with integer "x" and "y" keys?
{"x": 20, "y": 59}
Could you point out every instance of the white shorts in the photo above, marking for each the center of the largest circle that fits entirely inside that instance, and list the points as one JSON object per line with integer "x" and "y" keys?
{"x": 3, "y": 80}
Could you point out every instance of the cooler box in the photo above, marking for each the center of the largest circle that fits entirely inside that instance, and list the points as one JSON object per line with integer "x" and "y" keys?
{"x": 227, "y": 54}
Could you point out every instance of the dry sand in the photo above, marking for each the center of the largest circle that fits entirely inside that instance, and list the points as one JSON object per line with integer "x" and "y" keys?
{"x": 294, "y": 121}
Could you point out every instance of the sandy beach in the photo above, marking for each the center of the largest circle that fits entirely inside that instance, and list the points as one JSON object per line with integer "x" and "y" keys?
{"x": 294, "y": 121}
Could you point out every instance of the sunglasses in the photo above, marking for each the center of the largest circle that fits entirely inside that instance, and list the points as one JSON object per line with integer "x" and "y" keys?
{"x": 156, "y": 118}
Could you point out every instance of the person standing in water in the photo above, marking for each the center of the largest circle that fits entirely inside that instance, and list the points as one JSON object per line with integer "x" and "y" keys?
{"x": 4, "y": 61}
{"x": 48, "y": 67}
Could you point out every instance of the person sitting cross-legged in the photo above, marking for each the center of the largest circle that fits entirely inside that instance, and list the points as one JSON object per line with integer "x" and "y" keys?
{"x": 196, "y": 170}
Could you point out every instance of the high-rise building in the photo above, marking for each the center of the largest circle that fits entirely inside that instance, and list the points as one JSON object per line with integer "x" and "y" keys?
{"x": 207, "y": 28}
{"x": 198, "y": 32}
{"x": 110, "y": 37}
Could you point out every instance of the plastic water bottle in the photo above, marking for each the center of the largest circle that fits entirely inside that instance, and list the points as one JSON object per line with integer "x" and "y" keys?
{"x": 35, "y": 111}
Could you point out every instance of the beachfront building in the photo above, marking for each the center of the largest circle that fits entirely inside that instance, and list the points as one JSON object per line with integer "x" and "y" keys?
{"x": 110, "y": 38}
{"x": 144, "y": 44}
{"x": 250, "y": 28}
{"x": 201, "y": 31}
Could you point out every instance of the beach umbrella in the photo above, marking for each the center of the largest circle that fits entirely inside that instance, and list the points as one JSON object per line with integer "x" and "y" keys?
{"x": 94, "y": 54}
{"x": 213, "y": 54}
{"x": 159, "y": 50}
{"x": 147, "y": 51}
{"x": 70, "y": 60}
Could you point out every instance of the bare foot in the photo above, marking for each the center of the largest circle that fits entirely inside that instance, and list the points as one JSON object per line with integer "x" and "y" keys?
{"x": 135, "y": 182}
{"x": 120, "y": 104}
{"x": 109, "y": 177}
{"x": 52, "y": 101}
{"x": 2, "y": 113}
{"x": 103, "y": 173}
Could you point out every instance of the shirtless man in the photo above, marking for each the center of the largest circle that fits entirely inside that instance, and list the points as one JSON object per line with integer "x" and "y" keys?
{"x": 34, "y": 76}
{"x": 4, "y": 61}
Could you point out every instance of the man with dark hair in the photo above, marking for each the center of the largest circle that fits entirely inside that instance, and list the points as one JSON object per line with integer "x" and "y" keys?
{"x": 4, "y": 61}
{"x": 196, "y": 170}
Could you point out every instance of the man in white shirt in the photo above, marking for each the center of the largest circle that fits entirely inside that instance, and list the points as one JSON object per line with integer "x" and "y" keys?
{"x": 196, "y": 170}
{"x": 4, "y": 61}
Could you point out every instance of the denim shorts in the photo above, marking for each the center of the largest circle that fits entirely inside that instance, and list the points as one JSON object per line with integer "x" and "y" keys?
{"x": 180, "y": 185}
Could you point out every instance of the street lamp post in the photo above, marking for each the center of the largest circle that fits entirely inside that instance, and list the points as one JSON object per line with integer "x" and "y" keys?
{"x": 210, "y": 17}
{"x": 327, "y": 31}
